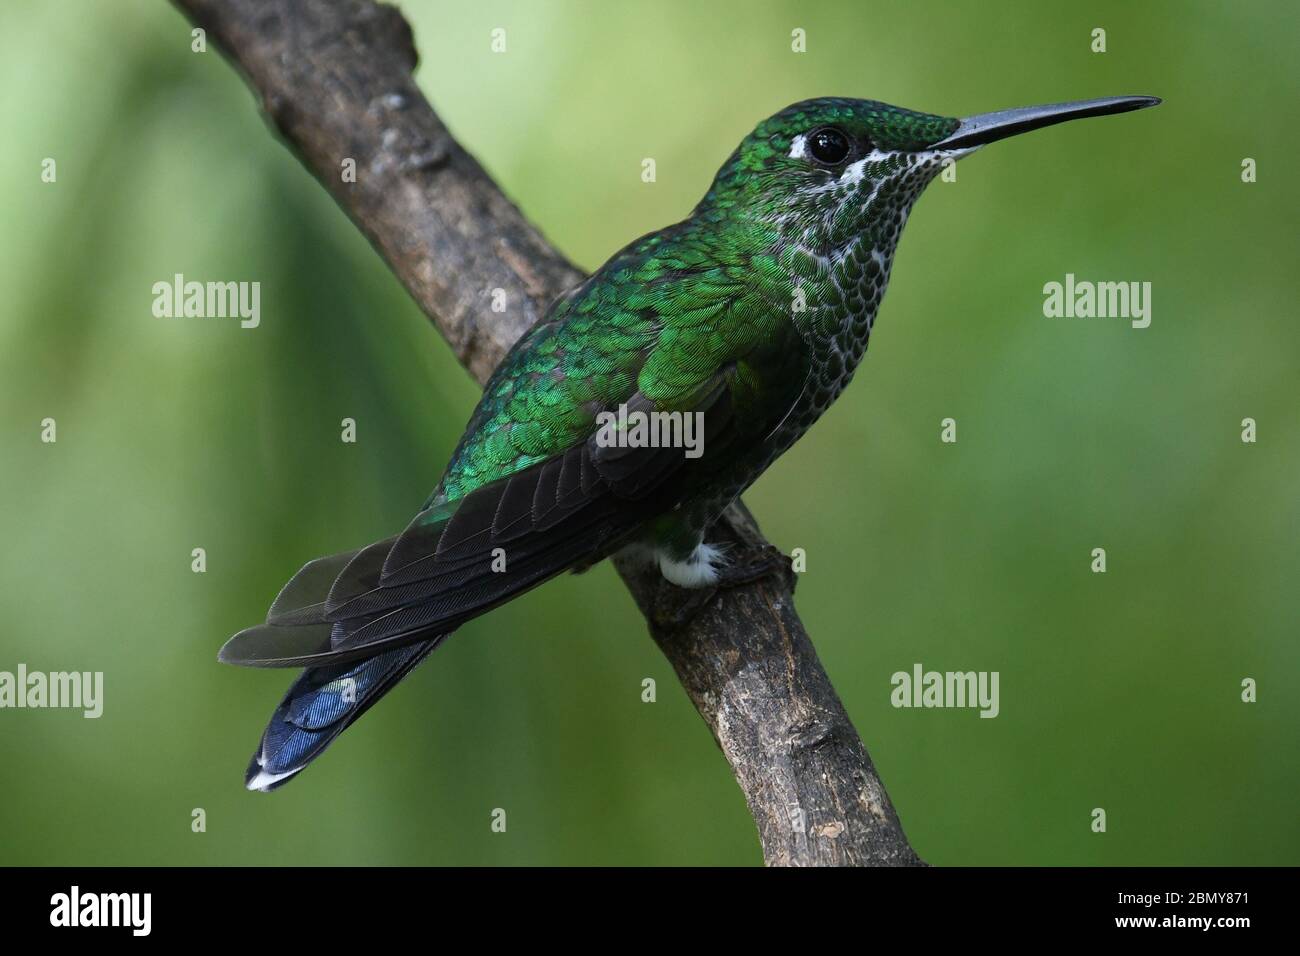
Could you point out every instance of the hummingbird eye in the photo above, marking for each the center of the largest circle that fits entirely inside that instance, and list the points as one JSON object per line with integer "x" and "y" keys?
{"x": 828, "y": 146}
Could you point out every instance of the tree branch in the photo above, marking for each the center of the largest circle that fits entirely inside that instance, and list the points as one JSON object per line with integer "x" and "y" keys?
{"x": 334, "y": 77}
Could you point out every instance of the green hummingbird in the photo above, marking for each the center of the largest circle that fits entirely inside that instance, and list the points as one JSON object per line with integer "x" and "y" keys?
{"x": 643, "y": 403}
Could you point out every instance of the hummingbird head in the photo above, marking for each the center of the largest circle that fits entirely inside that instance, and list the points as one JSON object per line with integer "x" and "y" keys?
{"x": 830, "y": 175}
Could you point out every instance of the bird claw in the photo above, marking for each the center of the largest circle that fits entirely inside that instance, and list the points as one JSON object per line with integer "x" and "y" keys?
{"x": 754, "y": 565}
{"x": 676, "y": 607}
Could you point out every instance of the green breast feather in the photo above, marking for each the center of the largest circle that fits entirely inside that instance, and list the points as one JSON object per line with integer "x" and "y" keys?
{"x": 661, "y": 318}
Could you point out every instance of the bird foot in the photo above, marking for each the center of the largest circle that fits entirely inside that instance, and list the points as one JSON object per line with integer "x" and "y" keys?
{"x": 754, "y": 564}
{"x": 675, "y": 607}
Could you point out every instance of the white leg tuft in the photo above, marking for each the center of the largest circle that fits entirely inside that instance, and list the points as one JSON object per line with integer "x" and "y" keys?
{"x": 700, "y": 570}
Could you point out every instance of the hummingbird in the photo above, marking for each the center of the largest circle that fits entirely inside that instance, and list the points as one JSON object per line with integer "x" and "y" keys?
{"x": 749, "y": 316}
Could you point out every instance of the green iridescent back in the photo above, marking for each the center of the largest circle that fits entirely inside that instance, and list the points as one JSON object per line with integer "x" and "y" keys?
{"x": 659, "y": 318}
{"x": 776, "y": 277}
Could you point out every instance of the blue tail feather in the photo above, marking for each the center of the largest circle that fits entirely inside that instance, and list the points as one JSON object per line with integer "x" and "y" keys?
{"x": 321, "y": 704}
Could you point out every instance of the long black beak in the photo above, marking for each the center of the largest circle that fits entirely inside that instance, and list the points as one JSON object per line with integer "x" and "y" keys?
{"x": 990, "y": 127}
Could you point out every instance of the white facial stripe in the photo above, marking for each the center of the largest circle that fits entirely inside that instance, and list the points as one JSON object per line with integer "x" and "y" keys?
{"x": 852, "y": 174}
{"x": 799, "y": 147}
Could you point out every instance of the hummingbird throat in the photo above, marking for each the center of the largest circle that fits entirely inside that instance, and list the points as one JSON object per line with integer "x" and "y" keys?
{"x": 838, "y": 244}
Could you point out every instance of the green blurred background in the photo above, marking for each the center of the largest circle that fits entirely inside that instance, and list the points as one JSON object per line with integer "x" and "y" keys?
{"x": 1119, "y": 690}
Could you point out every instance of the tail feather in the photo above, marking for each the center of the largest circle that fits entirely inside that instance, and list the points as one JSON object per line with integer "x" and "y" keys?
{"x": 321, "y": 704}
{"x": 360, "y": 621}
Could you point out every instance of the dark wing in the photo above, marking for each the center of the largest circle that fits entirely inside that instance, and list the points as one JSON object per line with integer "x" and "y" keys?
{"x": 456, "y": 560}
{"x": 529, "y": 491}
